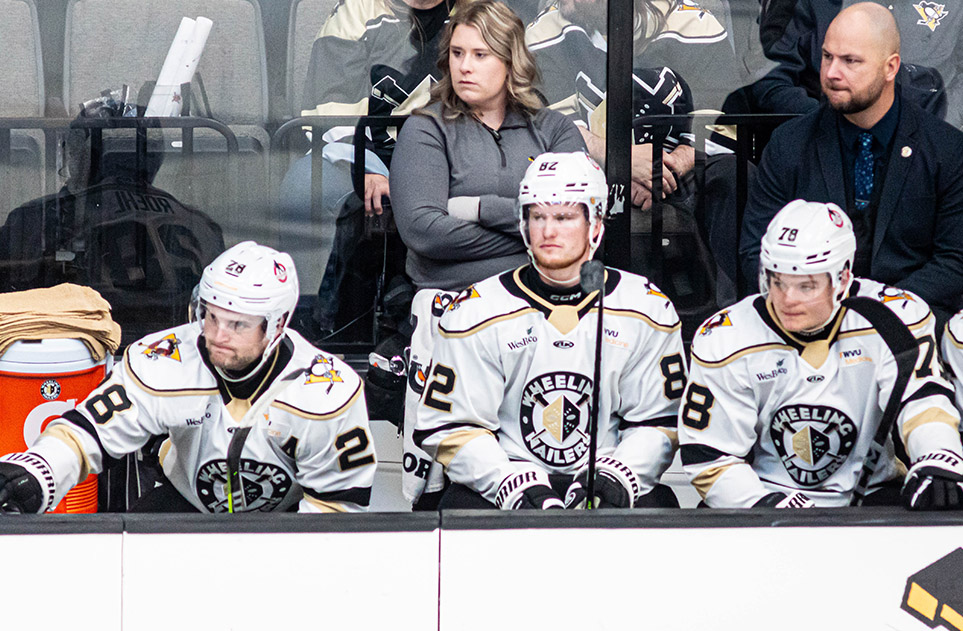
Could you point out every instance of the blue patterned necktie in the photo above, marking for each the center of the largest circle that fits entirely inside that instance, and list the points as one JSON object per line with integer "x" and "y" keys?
{"x": 864, "y": 170}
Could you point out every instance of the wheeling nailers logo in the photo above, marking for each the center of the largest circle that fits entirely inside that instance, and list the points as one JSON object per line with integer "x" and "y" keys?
{"x": 934, "y": 595}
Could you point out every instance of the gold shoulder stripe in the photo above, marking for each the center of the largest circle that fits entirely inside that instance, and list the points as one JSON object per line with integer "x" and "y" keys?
{"x": 68, "y": 437}
{"x": 486, "y": 323}
{"x": 953, "y": 339}
{"x": 350, "y": 20}
{"x": 187, "y": 392}
{"x": 325, "y": 507}
{"x": 705, "y": 480}
{"x": 870, "y": 330}
{"x": 638, "y": 315}
{"x": 932, "y": 415}
{"x": 450, "y": 446}
{"x": 313, "y": 416}
{"x": 741, "y": 353}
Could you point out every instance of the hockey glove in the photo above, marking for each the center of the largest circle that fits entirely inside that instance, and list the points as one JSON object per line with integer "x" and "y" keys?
{"x": 20, "y": 490}
{"x": 934, "y": 482}
{"x": 616, "y": 486}
{"x": 527, "y": 489}
{"x": 795, "y": 499}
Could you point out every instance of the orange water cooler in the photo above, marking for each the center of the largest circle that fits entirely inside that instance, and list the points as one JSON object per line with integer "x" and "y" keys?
{"x": 39, "y": 381}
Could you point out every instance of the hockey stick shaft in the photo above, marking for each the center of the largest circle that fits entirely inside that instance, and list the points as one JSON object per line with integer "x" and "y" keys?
{"x": 905, "y": 349}
{"x": 593, "y": 279}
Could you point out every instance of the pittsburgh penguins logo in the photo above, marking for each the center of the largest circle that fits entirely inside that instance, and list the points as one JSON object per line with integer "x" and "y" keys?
{"x": 719, "y": 319}
{"x": 322, "y": 371}
{"x": 440, "y": 303}
{"x": 417, "y": 378}
{"x": 888, "y": 294}
{"x": 554, "y": 410}
{"x": 265, "y": 485}
{"x": 467, "y": 294}
{"x": 167, "y": 346}
{"x": 931, "y": 14}
{"x": 813, "y": 441}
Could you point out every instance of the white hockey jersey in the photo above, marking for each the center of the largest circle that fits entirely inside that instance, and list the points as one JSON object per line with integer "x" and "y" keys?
{"x": 765, "y": 411}
{"x": 310, "y": 444}
{"x": 953, "y": 354}
{"x": 512, "y": 376}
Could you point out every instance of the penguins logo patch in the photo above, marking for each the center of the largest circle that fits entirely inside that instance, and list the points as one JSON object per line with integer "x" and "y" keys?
{"x": 554, "y": 415}
{"x": 719, "y": 319}
{"x": 813, "y": 441}
{"x": 322, "y": 371}
{"x": 167, "y": 346}
{"x": 931, "y": 14}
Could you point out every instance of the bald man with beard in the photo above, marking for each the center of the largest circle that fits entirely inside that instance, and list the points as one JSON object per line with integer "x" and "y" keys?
{"x": 894, "y": 168}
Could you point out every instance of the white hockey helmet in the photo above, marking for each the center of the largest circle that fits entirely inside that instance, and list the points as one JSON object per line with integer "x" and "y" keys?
{"x": 251, "y": 279}
{"x": 809, "y": 238}
{"x": 564, "y": 178}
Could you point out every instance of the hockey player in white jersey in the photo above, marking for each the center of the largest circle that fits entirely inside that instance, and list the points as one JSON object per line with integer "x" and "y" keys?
{"x": 787, "y": 388}
{"x": 506, "y": 406}
{"x": 257, "y": 418}
{"x": 953, "y": 354}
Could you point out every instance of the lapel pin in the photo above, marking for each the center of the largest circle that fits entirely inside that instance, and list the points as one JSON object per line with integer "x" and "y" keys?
{"x": 906, "y": 152}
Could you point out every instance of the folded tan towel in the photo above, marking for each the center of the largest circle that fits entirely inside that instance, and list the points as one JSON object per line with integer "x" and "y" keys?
{"x": 65, "y": 311}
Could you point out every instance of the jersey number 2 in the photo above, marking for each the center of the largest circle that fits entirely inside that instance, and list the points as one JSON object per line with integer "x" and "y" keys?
{"x": 443, "y": 383}
{"x": 358, "y": 439}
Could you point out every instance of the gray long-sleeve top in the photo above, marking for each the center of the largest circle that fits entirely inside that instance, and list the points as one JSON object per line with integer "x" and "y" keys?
{"x": 437, "y": 159}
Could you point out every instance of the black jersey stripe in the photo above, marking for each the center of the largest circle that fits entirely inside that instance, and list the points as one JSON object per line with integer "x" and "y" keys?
{"x": 357, "y": 495}
{"x": 661, "y": 421}
{"x": 928, "y": 390}
{"x": 81, "y": 421}
{"x": 698, "y": 454}
{"x": 420, "y": 435}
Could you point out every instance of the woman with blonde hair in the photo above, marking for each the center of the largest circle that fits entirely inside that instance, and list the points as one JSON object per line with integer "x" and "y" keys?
{"x": 455, "y": 176}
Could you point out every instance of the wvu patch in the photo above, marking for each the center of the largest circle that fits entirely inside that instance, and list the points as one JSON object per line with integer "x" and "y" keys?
{"x": 167, "y": 346}
{"x": 934, "y": 595}
{"x": 322, "y": 371}
{"x": 719, "y": 319}
{"x": 931, "y": 14}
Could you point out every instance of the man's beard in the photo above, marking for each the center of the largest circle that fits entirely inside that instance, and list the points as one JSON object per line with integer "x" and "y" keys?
{"x": 860, "y": 102}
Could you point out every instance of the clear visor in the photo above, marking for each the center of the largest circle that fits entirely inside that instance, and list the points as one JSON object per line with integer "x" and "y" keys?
{"x": 212, "y": 319}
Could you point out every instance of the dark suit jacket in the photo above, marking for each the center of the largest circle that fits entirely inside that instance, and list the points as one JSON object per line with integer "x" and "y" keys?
{"x": 918, "y": 235}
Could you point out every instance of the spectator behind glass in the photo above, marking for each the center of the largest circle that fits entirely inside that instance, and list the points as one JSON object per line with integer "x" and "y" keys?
{"x": 371, "y": 58}
{"x": 455, "y": 175}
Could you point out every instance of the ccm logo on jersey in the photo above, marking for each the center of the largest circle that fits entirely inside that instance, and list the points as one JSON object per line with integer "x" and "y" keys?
{"x": 813, "y": 441}
{"x": 552, "y": 409}
{"x": 265, "y": 485}
{"x": 815, "y": 378}
{"x": 563, "y": 344}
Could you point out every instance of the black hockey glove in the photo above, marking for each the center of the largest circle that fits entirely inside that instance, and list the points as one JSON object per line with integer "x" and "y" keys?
{"x": 20, "y": 491}
{"x": 934, "y": 482}
{"x": 527, "y": 489}
{"x": 616, "y": 486}
{"x": 797, "y": 499}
